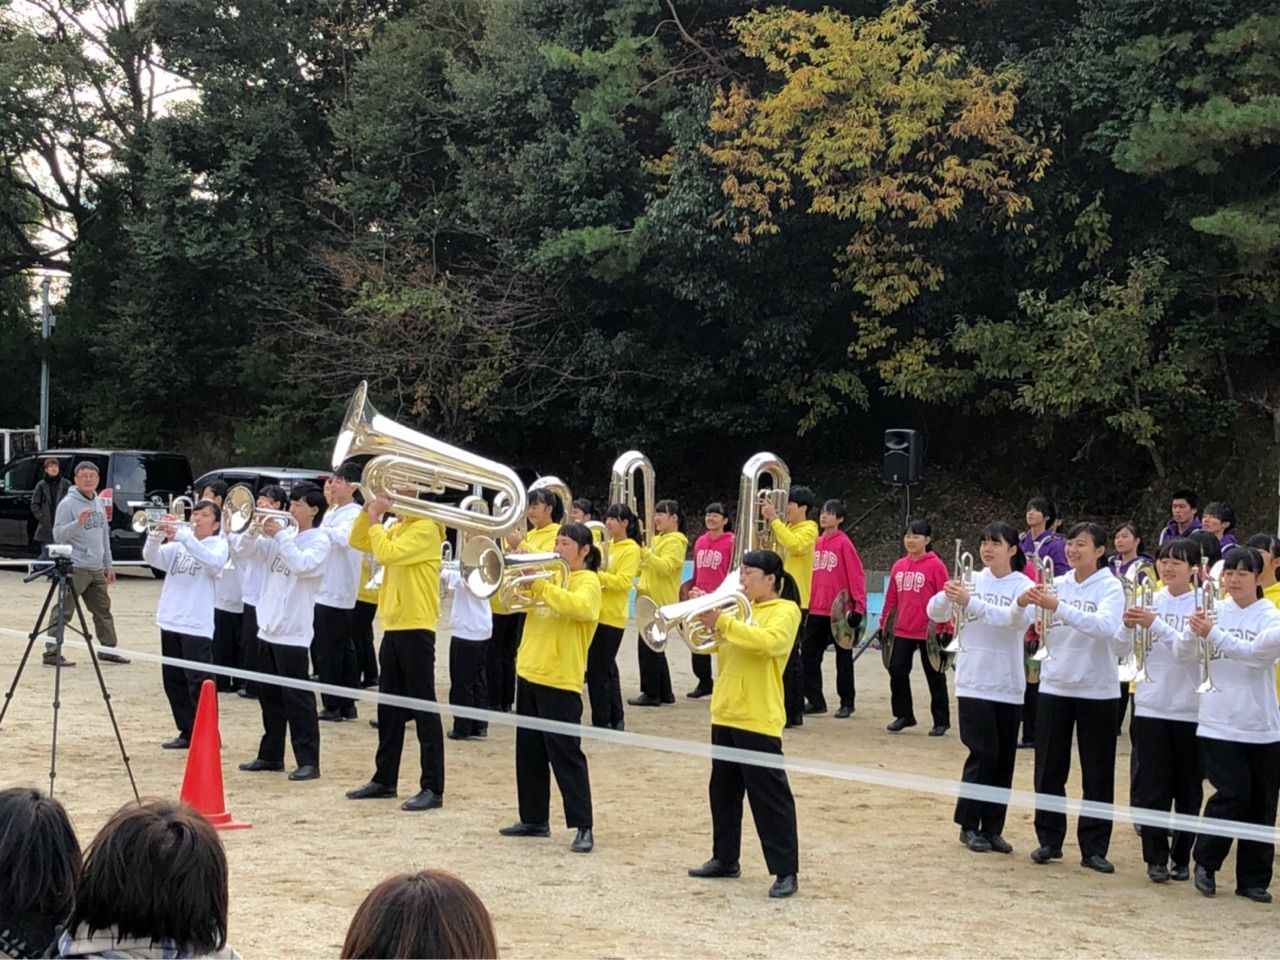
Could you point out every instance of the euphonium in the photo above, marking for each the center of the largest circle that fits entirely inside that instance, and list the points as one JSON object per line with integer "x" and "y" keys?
{"x": 622, "y": 489}
{"x": 754, "y": 532}
{"x": 1045, "y": 619}
{"x": 1207, "y": 651}
{"x": 486, "y": 570}
{"x": 655, "y": 624}
{"x": 959, "y": 615}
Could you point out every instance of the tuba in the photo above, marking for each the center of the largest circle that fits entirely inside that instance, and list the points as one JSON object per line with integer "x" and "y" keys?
{"x": 1206, "y": 650}
{"x": 959, "y": 615}
{"x": 622, "y": 489}
{"x": 753, "y": 531}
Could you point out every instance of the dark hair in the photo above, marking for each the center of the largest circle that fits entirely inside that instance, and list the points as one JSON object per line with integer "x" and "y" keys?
{"x": 1046, "y": 508}
{"x": 84, "y": 465}
{"x": 1222, "y": 512}
{"x": 1193, "y": 501}
{"x": 836, "y": 508}
{"x": 1210, "y": 546}
{"x": 620, "y": 511}
{"x": 1265, "y": 542}
{"x": 583, "y": 504}
{"x": 548, "y": 498}
{"x": 770, "y": 564}
{"x": 1133, "y": 529}
{"x": 1181, "y": 549}
{"x": 349, "y": 471}
{"x": 156, "y": 871}
{"x": 1245, "y": 558}
{"x": 581, "y": 534}
{"x": 312, "y": 496}
{"x": 213, "y": 508}
{"x": 51, "y": 460}
{"x": 275, "y": 493}
{"x": 716, "y": 506}
{"x": 426, "y": 914}
{"x": 922, "y": 527}
{"x": 803, "y": 496}
{"x": 1095, "y": 532}
{"x": 39, "y": 857}
{"x": 671, "y": 507}
{"x": 1001, "y": 532}
{"x": 219, "y": 488}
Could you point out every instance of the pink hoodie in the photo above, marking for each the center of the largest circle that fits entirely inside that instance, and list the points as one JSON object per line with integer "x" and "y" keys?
{"x": 911, "y": 584}
{"x": 836, "y": 567}
{"x": 711, "y": 559}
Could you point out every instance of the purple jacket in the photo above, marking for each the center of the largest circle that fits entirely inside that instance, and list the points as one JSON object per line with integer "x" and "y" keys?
{"x": 1172, "y": 532}
{"x": 1048, "y": 544}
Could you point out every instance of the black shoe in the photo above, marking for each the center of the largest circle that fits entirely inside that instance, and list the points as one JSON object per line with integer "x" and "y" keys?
{"x": 330, "y": 716}
{"x": 714, "y": 868}
{"x": 999, "y": 844}
{"x": 793, "y": 722}
{"x": 975, "y": 841}
{"x": 1179, "y": 872}
{"x": 246, "y": 693}
{"x": 811, "y": 711}
{"x": 1256, "y": 894}
{"x": 668, "y": 698}
{"x": 522, "y": 829}
{"x": 1204, "y": 881}
{"x": 644, "y": 700}
{"x": 1097, "y": 861}
{"x": 899, "y": 724}
{"x": 368, "y": 682}
{"x": 371, "y": 791}
{"x": 177, "y": 743}
{"x": 255, "y": 765}
{"x": 698, "y": 692}
{"x": 784, "y": 887}
{"x": 620, "y": 725}
{"x": 455, "y": 735}
{"x": 481, "y": 734}
{"x": 939, "y": 730}
{"x": 307, "y": 771}
{"x": 844, "y": 713}
{"x": 106, "y": 656}
{"x": 1043, "y": 854}
{"x": 374, "y": 724}
{"x": 1026, "y": 744}
{"x": 350, "y": 713}
{"x": 1157, "y": 873}
{"x": 51, "y": 660}
{"x": 583, "y": 842}
{"x": 424, "y": 800}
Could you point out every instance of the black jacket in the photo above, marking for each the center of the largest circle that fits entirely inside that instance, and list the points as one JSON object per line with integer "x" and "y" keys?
{"x": 44, "y": 504}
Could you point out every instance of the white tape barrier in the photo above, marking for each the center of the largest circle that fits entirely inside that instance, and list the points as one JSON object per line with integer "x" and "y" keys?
{"x": 919, "y": 783}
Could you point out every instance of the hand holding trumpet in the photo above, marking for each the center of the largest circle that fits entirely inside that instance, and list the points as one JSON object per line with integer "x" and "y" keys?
{"x": 1139, "y": 617}
{"x": 1040, "y": 597}
{"x": 1200, "y": 623}
{"x": 956, "y": 593}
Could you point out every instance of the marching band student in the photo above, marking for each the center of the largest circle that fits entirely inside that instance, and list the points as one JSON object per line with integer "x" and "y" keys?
{"x": 581, "y": 510}
{"x": 912, "y": 581}
{"x": 286, "y": 616}
{"x": 1239, "y": 724}
{"x": 1165, "y": 763}
{"x": 1210, "y": 546}
{"x": 661, "y": 564}
{"x": 228, "y": 606}
{"x": 796, "y": 539}
{"x": 1078, "y": 686}
{"x": 1129, "y": 553}
{"x": 1183, "y": 506}
{"x": 334, "y": 648}
{"x": 1220, "y": 520}
{"x": 748, "y": 713}
{"x": 1269, "y": 547}
{"x": 552, "y": 657}
{"x": 712, "y": 559}
{"x": 253, "y": 575}
{"x": 1041, "y": 539}
{"x": 603, "y": 684}
{"x": 470, "y": 627}
{"x": 989, "y": 678}
{"x": 362, "y": 616}
{"x": 191, "y": 561}
{"x": 409, "y": 608}
{"x": 837, "y": 568}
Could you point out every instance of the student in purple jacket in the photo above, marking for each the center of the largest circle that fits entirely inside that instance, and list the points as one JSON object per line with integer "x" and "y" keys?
{"x": 1220, "y": 520}
{"x": 1183, "y": 505}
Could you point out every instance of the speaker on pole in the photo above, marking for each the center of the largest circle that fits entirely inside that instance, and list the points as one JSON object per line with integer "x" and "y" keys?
{"x": 903, "y": 457}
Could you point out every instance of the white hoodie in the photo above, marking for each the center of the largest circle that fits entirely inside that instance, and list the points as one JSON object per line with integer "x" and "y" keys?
{"x": 295, "y": 567}
{"x": 244, "y": 550}
{"x": 470, "y": 618}
{"x": 1243, "y": 707}
{"x": 230, "y": 596}
{"x": 990, "y": 667}
{"x": 342, "y": 571}
{"x": 1084, "y": 652}
{"x": 1170, "y": 694}
{"x": 191, "y": 569}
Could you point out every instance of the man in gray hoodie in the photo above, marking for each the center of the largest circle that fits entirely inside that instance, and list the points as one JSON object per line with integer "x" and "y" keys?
{"x": 81, "y": 521}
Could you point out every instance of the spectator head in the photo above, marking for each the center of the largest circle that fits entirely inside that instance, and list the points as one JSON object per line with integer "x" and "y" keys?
{"x": 39, "y": 857}
{"x": 156, "y": 871}
{"x": 52, "y": 467}
{"x": 425, "y": 914}
{"x": 86, "y": 477}
{"x": 1041, "y": 512}
{"x": 1183, "y": 505}
{"x": 1218, "y": 518}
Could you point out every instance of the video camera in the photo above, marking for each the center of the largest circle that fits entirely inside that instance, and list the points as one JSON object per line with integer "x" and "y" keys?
{"x": 60, "y": 554}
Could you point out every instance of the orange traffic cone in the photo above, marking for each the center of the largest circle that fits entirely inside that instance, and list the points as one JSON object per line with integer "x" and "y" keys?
{"x": 202, "y": 782}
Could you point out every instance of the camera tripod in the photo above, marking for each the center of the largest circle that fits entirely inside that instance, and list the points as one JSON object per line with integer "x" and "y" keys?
{"x": 59, "y": 575}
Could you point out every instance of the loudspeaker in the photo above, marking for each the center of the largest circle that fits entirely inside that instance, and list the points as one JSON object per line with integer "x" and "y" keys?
{"x": 903, "y": 457}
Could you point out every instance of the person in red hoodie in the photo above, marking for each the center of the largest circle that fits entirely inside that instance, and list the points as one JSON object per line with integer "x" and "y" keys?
{"x": 712, "y": 558}
{"x": 912, "y": 581}
{"x": 837, "y": 568}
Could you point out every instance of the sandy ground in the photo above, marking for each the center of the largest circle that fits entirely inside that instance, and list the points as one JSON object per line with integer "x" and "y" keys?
{"x": 881, "y": 871}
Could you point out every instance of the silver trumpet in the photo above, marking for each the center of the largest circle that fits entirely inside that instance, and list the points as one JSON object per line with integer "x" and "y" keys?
{"x": 148, "y": 518}
{"x": 959, "y": 615}
{"x": 1045, "y": 619}
{"x": 1207, "y": 651}
{"x": 1139, "y": 591}
{"x": 655, "y": 624}
{"x": 241, "y": 513}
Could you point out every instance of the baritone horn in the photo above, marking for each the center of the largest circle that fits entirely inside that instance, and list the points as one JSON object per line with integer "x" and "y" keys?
{"x": 655, "y": 624}
{"x": 487, "y": 571}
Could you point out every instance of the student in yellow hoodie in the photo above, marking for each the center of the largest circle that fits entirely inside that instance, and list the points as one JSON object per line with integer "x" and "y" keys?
{"x": 1269, "y": 547}
{"x": 409, "y": 607}
{"x": 661, "y": 565}
{"x": 747, "y": 713}
{"x": 603, "y": 684}
{"x": 549, "y": 667}
{"x": 796, "y": 539}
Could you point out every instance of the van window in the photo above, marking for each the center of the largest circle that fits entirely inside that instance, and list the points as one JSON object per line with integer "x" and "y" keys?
{"x": 147, "y": 473}
{"x": 22, "y": 474}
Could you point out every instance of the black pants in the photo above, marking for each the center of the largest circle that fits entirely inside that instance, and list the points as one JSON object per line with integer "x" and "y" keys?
{"x": 250, "y": 647}
{"x": 990, "y": 730}
{"x": 182, "y": 686}
{"x": 467, "y": 686}
{"x": 227, "y": 642}
{"x": 362, "y": 636}
{"x": 287, "y": 707}
{"x": 1030, "y": 706}
{"x": 500, "y": 666}
{"x": 604, "y": 688}
{"x": 539, "y": 754}
{"x": 334, "y": 653}
{"x": 793, "y": 677}
{"x": 1165, "y": 772}
{"x": 1124, "y": 708}
{"x": 1245, "y": 779}
{"x": 904, "y": 651}
{"x": 817, "y": 637}
{"x": 1094, "y": 723}
{"x": 701, "y": 664}
{"x": 772, "y": 806}
{"x": 655, "y": 673}
{"x": 408, "y": 660}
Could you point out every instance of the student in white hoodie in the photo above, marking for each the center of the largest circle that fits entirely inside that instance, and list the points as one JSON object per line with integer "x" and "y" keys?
{"x": 228, "y": 605}
{"x": 1239, "y": 723}
{"x": 1165, "y": 768}
{"x": 1079, "y": 687}
{"x": 286, "y": 610}
{"x": 333, "y": 649}
{"x": 191, "y": 560}
{"x": 990, "y": 679}
{"x": 253, "y": 575}
{"x": 470, "y": 629}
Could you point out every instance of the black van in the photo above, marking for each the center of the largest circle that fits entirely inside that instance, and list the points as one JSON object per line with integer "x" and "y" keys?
{"x": 133, "y": 477}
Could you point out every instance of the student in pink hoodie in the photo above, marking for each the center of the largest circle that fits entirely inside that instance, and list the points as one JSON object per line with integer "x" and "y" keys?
{"x": 912, "y": 581}
{"x": 836, "y": 569}
{"x": 712, "y": 558}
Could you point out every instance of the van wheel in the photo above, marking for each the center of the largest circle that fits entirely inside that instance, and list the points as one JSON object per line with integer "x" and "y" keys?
{"x": 158, "y": 574}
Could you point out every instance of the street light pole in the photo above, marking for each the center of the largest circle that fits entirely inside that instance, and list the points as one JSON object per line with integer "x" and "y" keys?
{"x": 44, "y": 363}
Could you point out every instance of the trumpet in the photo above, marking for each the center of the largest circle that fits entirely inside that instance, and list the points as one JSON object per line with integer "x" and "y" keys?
{"x": 959, "y": 615}
{"x": 1139, "y": 591}
{"x": 754, "y": 532}
{"x": 622, "y": 489}
{"x": 148, "y": 518}
{"x": 655, "y": 624}
{"x": 241, "y": 513}
{"x": 1045, "y": 619}
{"x": 1206, "y": 650}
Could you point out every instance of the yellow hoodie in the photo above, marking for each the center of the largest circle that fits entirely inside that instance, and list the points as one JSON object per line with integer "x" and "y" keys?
{"x": 1272, "y": 593}
{"x": 751, "y": 658}
{"x": 542, "y": 540}
{"x": 617, "y": 581}
{"x": 366, "y": 593}
{"x": 796, "y": 541}
{"x": 558, "y": 631}
{"x": 410, "y": 552}
{"x": 661, "y": 566}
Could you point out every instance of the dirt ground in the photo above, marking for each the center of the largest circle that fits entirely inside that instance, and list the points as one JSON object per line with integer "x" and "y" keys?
{"x": 881, "y": 872}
